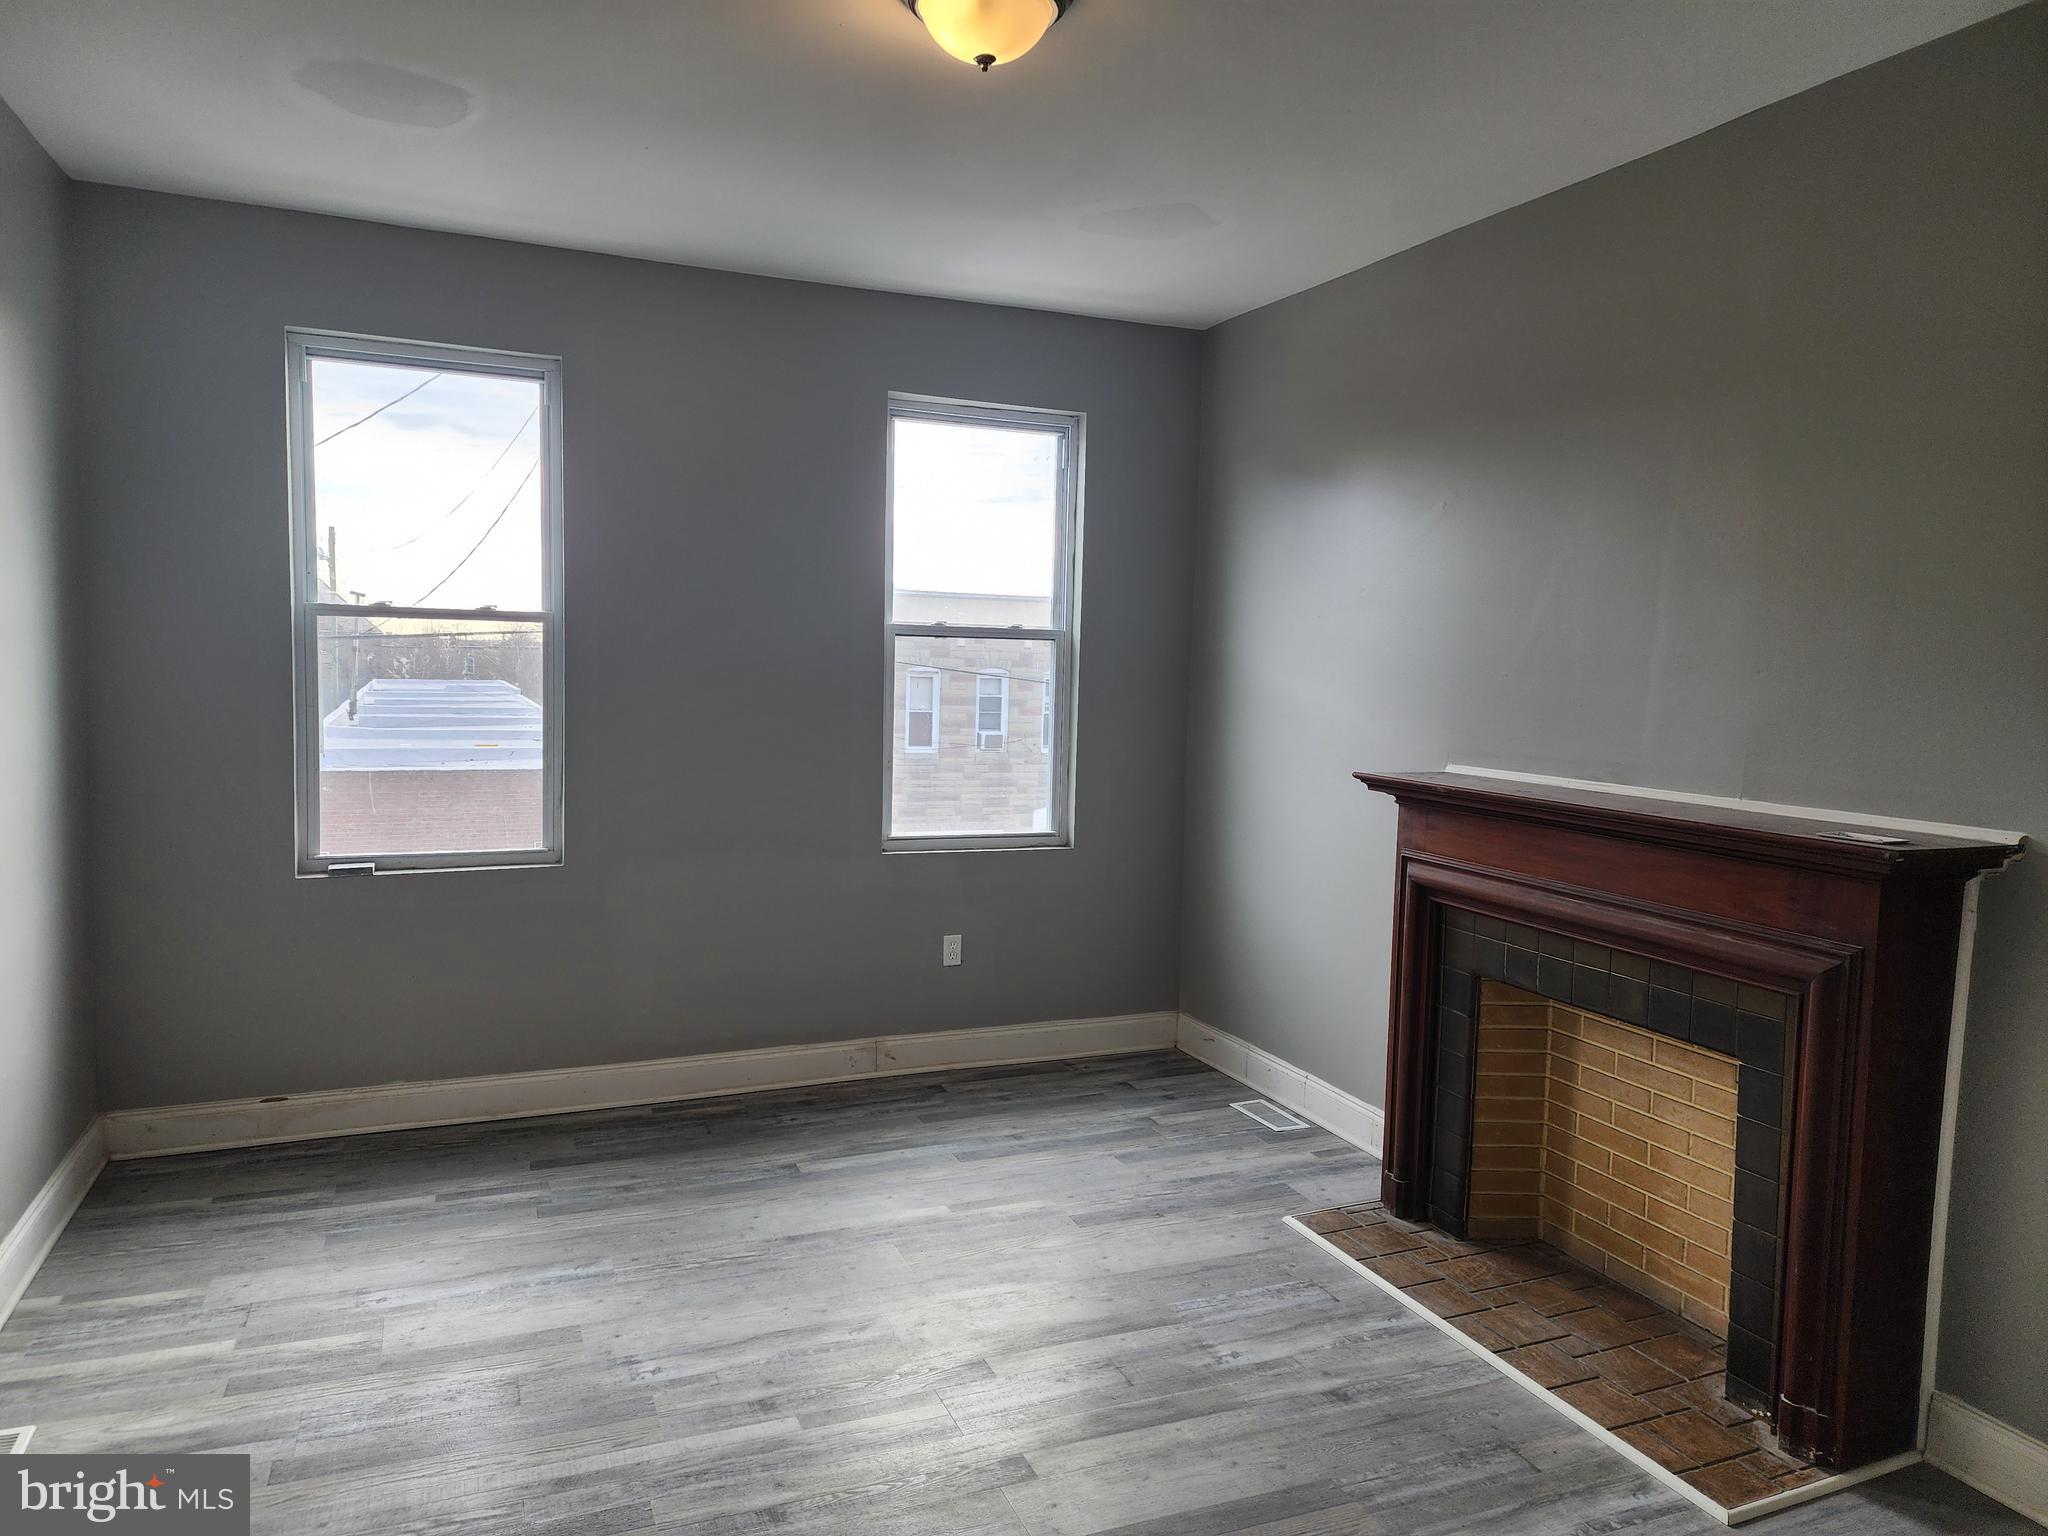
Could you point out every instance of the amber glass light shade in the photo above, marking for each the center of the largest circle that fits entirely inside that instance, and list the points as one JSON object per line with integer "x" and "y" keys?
{"x": 986, "y": 32}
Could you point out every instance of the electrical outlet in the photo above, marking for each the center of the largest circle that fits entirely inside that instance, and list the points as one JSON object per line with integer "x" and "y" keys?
{"x": 949, "y": 949}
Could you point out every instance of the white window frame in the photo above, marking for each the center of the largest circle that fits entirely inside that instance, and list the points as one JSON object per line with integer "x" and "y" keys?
{"x": 910, "y": 676}
{"x": 1064, "y": 632}
{"x": 301, "y": 346}
{"x": 1002, "y": 698}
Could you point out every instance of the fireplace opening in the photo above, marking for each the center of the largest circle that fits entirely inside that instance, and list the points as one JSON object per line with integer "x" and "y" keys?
{"x": 1626, "y": 1111}
{"x": 1610, "y": 1143}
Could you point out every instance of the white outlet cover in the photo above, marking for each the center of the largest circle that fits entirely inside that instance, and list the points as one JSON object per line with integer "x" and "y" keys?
{"x": 949, "y": 949}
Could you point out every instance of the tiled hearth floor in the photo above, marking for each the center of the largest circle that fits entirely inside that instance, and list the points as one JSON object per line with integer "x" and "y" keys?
{"x": 1635, "y": 1369}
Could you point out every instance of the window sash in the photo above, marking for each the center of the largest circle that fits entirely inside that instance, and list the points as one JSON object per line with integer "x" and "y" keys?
{"x": 301, "y": 346}
{"x": 999, "y": 696}
{"x": 935, "y": 699}
{"x": 1063, "y": 633}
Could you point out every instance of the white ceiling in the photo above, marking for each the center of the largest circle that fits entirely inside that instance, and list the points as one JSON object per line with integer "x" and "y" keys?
{"x": 1169, "y": 160}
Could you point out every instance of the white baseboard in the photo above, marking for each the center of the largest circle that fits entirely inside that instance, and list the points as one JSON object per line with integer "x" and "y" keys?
{"x": 1988, "y": 1454}
{"x": 28, "y": 1242}
{"x": 1347, "y": 1115}
{"x": 517, "y": 1095}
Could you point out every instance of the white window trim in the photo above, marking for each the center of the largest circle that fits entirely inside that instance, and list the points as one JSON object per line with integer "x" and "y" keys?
{"x": 307, "y": 610}
{"x": 1064, "y": 632}
{"x": 1002, "y": 697}
{"x": 938, "y": 703}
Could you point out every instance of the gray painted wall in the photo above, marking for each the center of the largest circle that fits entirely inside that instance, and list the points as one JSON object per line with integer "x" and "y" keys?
{"x": 45, "y": 1060}
{"x": 1726, "y": 471}
{"x": 724, "y": 887}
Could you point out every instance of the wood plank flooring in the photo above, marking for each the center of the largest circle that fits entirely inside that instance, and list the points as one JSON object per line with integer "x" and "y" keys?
{"x": 1033, "y": 1301}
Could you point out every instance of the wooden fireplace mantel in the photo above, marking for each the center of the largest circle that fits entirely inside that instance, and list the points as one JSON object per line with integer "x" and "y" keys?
{"x": 1760, "y": 835}
{"x": 1861, "y": 927}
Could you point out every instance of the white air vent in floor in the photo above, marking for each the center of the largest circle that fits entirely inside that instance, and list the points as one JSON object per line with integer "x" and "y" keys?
{"x": 14, "y": 1442}
{"x": 1271, "y": 1115}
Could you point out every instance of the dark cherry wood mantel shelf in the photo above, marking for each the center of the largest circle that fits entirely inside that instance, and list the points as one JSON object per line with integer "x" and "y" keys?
{"x": 1794, "y": 840}
{"x": 1860, "y": 925}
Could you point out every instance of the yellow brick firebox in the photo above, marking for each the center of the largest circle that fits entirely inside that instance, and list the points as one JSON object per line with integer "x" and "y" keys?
{"x": 1614, "y": 1144}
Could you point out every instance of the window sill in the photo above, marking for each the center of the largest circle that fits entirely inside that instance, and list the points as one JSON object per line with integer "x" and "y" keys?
{"x": 489, "y": 864}
{"x": 978, "y": 845}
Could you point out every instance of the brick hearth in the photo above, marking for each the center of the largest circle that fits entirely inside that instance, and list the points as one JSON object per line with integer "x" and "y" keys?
{"x": 1631, "y": 1366}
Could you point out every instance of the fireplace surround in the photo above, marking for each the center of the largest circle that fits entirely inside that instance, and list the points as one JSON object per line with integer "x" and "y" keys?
{"x": 1821, "y": 958}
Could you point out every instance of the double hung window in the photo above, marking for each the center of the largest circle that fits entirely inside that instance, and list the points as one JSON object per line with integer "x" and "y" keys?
{"x": 984, "y": 586}
{"x": 426, "y": 600}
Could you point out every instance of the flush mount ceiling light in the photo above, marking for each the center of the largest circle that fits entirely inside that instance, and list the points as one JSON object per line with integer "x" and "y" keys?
{"x": 987, "y": 32}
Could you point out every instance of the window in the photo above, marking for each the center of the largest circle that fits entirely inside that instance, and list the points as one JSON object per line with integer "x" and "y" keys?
{"x": 921, "y": 711}
{"x": 427, "y": 561}
{"x": 984, "y": 581}
{"x": 991, "y": 710}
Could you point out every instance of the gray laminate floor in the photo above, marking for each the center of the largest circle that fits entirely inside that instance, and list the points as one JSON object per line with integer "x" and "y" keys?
{"x": 1046, "y": 1299}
